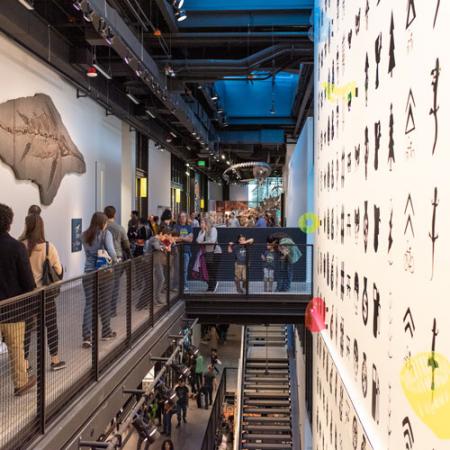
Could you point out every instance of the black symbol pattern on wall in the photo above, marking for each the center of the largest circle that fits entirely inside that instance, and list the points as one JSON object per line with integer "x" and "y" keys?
{"x": 365, "y": 303}
{"x": 366, "y": 82}
{"x": 438, "y": 4}
{"x": 409, "y": 224}
{"x": 391, "y": 47}
{"x": 408, "y": 433}
{"x": 391, "y": 224}
{"x": 411, "y": 15}
{"x": 376, "y": 310}
{"x": 375, "y": 395}
{"x": 391, "y": 154}
{"x": 366, "y": 153}
{"x": 410, "y": 122}
{"x": 378, "y": 47}
{"x": 376, "y": 227}
{"x": 433, "y": 236}
{"x": 377, "y": 130}
{"x": 432, "y": 359}
{"x": 366, "y": 226}
{"x": 408, "y": 320}
{"x": 364, "y": 374}
{"x": 435, "y": 74}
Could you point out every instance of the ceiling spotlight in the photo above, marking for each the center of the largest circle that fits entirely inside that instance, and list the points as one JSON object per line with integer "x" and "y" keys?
{"x": 194, "y": 133}
{"x": 91, "y": 72}
{"x": 272, "y": 109}
{"x": 229, "y": 163}
{"x": 168, "y": 70}
{"x": 139, "y": 71}
{"x": 187, "y": 165}
{"x": 187, "y": 173}
{"x": 102, "y": 71}
{"x": 128, "y": 58}
{"x": 222, "y": 156}
{"x": 149, "y": 112}
{"x": 169, "y": 139}
{"x": 133, "y": 98}
{"x": 88, "y": 13}
{"x": 215, "y": 97}
{"x": 162, "y": 149}
{"x": 178, "y": 3}
{"x": 181, "y": 15}
{"x": 188, "y": 148}
{"x": 173, "y": 134}
{"x": 78, "y": 4}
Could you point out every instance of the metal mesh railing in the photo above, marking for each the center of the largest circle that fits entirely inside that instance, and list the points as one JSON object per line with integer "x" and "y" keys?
{"x": 56, "y": 340}
{"x": 249, "y": 270}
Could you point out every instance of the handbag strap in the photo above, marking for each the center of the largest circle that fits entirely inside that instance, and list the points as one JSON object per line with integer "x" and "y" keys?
{"x": 46, "y": 249}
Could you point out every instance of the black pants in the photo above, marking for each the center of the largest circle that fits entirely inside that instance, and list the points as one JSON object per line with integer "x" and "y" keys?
{"x": 50, "y": 324}
{"x": 198, "y": 381}
{"x": 209, "y": 394}
{"x": 212, "y": 261}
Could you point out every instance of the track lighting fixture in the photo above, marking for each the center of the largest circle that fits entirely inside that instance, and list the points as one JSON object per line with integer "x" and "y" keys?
{"x": 133, "y": 98}
{"x": 102, "y": 71}
{"x": 215, "y": 97}
{"x": 169, "y": 139}
{"x": 177, "y": 3}
{"x": 28, "y": 4}
{"x": 91, "y": 72}
{"x": 222, "y": 156}
{"x": 181, "y": 15}
{"x": 78, "y": 4}
{"x": 188, "y": 174}
{"x": 173, "y": 134}
{"x": 88, "y": 12}
{"x": 149, "y": 113}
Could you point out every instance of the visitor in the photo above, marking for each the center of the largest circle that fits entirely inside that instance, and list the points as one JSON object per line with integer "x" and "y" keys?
{"x": 289, "y": 255}
{"x": 33, "y": 209}
{"x": 167, "y": 445}
{"x": 261, "y": 222}
{"x": 239, "y": 251}
{"x": 160, "y": 246}
{"x": 214, "y": 360}
{"x": 185, "y": 236}
{"x": 132, "y": 229}
{"x": 234, "y": 222}
{"x": 199, "y": 368}
{"x": 269, "y": 258}
{"x": 194, "y": 221}
{"x": 39, "y": 250}
{"x": 208, "y": 237}
{"x": 142, "y": 234}
{"x": 97, "y": 238}
{"x": 166, "y": 220}
{"x": 154, "y": 225}
{"x": 222, "y": 330}
{"x": 209, "y": 384}
{"x": 123, "y": 252}
{"x": 168, "y": 412}
{"x": 182, "y": 392}
{"x": 16, "y": 278}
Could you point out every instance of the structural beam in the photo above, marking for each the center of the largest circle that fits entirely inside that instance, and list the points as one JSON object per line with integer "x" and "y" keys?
{"x": 167, "y": 12}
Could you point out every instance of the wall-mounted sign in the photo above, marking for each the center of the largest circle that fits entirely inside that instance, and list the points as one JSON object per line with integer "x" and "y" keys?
{"x": 76, "y": 235}
{"x": 201, "y": 163}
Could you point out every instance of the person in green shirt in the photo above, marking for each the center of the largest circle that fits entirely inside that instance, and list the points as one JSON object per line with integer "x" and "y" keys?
{"x": 199, "y": 368}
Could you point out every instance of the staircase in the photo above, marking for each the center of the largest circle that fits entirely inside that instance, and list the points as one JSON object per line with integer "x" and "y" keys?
{"x": 266, "y": 399}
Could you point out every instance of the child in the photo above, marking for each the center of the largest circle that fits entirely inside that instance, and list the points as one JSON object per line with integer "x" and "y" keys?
{"x": 240, "y": 254}
{"x": 269, "y": 266}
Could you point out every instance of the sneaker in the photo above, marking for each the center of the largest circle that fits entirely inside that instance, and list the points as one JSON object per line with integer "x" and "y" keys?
{"x": 86, "y": 343}
{"x": 109, "y": 336}
{"x": 58, "y": 366}
{"x": 26, "y": 387}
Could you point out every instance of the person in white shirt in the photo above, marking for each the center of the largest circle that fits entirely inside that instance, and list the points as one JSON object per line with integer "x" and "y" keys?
{"x": 234, "y": 221}
{"x": 208, "y": 236}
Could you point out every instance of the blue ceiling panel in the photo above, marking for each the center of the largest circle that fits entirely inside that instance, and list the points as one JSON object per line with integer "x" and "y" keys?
{"x": 252, "y": 137}
{"x": 258, "y": 100}
{"x": 246, "y": 5}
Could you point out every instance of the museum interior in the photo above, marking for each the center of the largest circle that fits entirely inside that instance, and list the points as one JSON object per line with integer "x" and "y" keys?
{"x": 222, "y": 225}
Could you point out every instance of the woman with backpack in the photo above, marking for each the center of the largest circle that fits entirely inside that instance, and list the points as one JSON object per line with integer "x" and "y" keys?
{"x": 99, "y": 249}
{"x": 46, "y": 267}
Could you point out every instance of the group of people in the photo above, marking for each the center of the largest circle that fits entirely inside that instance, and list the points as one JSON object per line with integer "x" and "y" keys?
{"x": 25, "y": 264}
{"x": 260, "y": 220}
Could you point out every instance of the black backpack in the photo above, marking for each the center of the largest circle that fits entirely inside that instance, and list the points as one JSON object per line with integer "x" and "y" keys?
{"x": 49, "y": 275}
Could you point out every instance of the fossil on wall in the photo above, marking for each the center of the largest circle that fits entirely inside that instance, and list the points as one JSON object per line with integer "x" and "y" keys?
{"x": 36, "y": 145}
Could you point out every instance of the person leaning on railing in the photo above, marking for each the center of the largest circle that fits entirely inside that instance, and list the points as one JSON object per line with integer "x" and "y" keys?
{"x": 16, "y": 278}
{"x": 95, "y": 239}
{"x": 39, "y": 250}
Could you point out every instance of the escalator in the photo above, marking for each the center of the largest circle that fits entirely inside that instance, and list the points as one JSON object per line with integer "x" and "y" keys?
{"x": 265, "y": 395}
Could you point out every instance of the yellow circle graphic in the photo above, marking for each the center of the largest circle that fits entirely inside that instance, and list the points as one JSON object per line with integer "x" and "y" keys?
{"x": 309, "y": 222}
{"x": 425, "y": 380}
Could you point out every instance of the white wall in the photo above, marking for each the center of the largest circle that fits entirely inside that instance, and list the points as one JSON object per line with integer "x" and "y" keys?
{"x": 385, "y": 226}
{"x": 239, "y": 192}
{"x": 159, "y": 180}
{"x": 128, "y": 190}
{"x": 97, "y": 137}
{"x": 215, "y": 191}
{"x": 300, "y": 177}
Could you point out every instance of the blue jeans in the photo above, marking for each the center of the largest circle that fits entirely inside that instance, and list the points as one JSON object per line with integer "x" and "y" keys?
{"x": 186, "y": 259}
{"x": 104, "y": 303}
{"x": 285, "y": 276}
{"x": 167, "y": 422}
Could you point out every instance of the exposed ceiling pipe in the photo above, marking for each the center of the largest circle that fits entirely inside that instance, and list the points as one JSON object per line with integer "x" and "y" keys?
{"x": 126, "y": 43}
